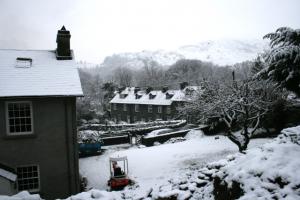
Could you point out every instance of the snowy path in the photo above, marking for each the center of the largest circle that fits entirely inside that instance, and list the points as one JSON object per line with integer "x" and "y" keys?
{"x": 154, "y": 165}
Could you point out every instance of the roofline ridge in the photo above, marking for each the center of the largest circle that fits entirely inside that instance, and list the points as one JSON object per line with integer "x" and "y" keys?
{"x": 26, "y": 49}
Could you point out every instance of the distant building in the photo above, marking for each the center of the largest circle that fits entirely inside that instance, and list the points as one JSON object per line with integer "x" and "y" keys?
{"x": 132, "y": 104}
{"x": 38, "y": 90}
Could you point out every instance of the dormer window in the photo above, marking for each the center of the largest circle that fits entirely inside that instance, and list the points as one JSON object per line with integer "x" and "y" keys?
{"x": 23, "y": 62}
{"x": 137, "y": 96}
{"x": 123, "y": 96}
{"x": 152, "y": 96}
{"x": 169, "y": 96}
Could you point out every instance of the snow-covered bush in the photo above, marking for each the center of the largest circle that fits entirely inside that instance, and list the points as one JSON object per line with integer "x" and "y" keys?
{"x": 194, "y": 134}
{"x": 269, "y": 172}
{"x": 174, "y": 140}
{"x": 89, "y": 136}
{"x": 283, "y": 60}
{"x": 24, "y": 195}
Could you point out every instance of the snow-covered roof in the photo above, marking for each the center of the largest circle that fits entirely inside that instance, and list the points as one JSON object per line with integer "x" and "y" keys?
{"x": 159, "y": 97}
{"x": 117, "y": 158}
{"x": 8, "y": 175}
{"x": 43, "y": 75}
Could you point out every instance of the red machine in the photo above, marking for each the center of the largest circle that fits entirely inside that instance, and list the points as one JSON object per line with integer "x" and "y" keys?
{"x": 118, "y": 173}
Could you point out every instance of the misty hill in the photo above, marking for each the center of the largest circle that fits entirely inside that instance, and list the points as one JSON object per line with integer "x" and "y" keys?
{"x": 220, "y": 52}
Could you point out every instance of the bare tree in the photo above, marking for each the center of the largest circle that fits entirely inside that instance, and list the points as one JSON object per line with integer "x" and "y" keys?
{"x": 151, "y": 74}
{"x": 123, "y": 76}
{"x": 239, "y": 106}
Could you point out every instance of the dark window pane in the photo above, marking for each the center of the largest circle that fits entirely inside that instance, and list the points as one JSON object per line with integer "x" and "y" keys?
{"x": 10, "y": 106}
{"x": 28, "y": 128}
{"x": 34, "y": 168}
{"x": 23, "y": 128}
{"x": 27, "y": 113}
{"x": 16, "y": 113}
{"x": 12, "y": 129}
{"x": 17, "y": 129}
{"x": 11, "y": 122}
{"x": 10, "y": 113}
{"x": 22, "y": 113}
{"x": 17, "y": 121}
{"x": 22, "y": 120}
{"x": 28, "y": 121}
{"x": 20, "y": 175}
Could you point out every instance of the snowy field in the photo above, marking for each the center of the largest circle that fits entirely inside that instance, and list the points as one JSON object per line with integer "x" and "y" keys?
{"x": 152, "y": 166}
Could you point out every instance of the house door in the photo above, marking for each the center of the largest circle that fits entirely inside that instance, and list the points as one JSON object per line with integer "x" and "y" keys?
{"x": 128, "y": 119}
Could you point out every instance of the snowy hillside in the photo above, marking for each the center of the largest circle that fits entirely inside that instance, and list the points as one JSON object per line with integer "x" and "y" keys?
{"x": 220, "y": 52}
{"x": 223, "y": 52}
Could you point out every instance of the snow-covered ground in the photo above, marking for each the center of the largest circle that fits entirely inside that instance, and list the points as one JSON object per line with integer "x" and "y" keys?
{"x": 193, "y": 169}
{"x": 153, "y": 166}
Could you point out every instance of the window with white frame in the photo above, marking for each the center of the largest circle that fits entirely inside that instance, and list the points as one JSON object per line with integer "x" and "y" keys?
{"x": 149, "y": 108}
{"x": 115, "y": 106}
{"x": 168, "y": 109}
{"x": 124, "y": 107}
{"x": 136, "y": 108}
{"x": 28, "y": 178}
{"x": 159, "y": 109}
{"x": 19, "y": 118}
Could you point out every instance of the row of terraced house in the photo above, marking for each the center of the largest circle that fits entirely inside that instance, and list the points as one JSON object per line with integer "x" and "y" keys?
{"x": 131, "y": 104}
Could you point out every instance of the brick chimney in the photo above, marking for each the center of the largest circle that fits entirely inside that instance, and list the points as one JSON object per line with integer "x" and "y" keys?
{"x": 183, "y": 85}
{"x": 136, "y": 89}
{"x": 164, "y": 89}
{"x": 148, "y": 90}
{"x": 63, "y": 51}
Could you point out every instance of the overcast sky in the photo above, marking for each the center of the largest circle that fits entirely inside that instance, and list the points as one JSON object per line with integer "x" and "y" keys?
{"x": 102, "y": 27}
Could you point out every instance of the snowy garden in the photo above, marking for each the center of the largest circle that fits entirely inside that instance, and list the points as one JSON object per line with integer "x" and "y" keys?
{"x": 201, "y": 167}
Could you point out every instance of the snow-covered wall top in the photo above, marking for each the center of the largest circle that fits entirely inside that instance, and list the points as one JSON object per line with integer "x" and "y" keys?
{"x": 128, "y": 96}
{"x": 44, "y": 75}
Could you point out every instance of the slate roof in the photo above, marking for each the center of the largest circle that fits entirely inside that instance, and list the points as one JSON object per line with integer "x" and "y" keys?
{"x": 44, "y": 75}
{"x": 8, "y": 173}
{"x": 129, "y": 97}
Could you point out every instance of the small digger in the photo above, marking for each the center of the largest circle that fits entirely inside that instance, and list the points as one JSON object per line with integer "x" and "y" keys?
{"x": 118, "y": 173}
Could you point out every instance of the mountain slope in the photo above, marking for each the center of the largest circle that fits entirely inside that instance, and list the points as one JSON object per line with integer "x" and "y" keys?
{"x": 220, "y": 52}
